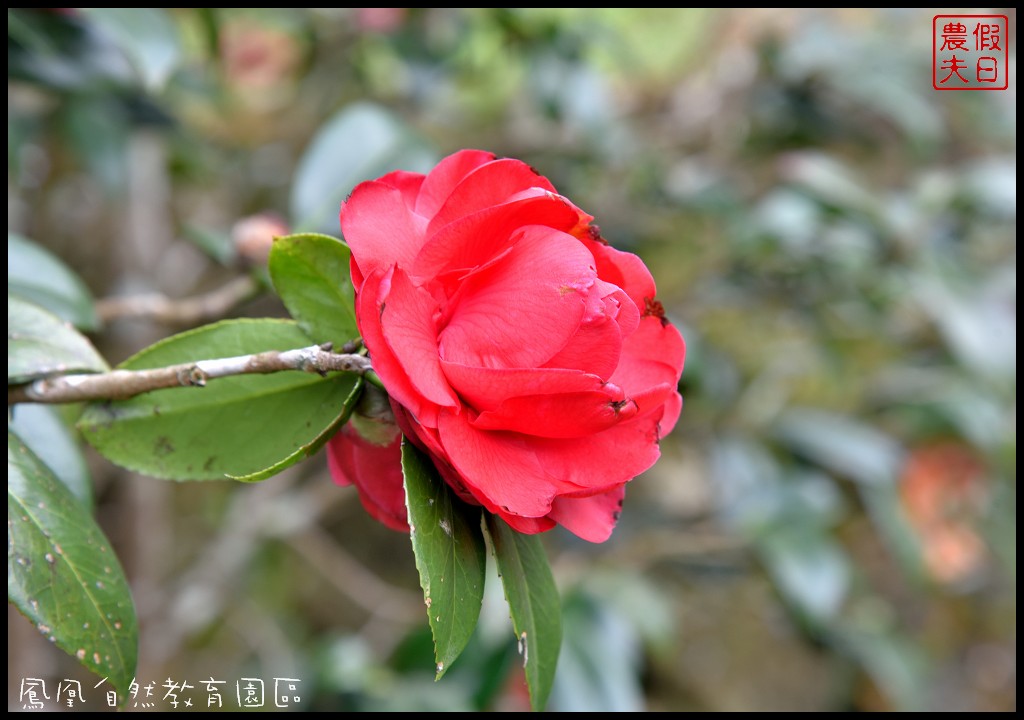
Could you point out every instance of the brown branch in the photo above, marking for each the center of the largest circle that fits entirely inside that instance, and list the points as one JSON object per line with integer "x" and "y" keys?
{"x": 184, "y": 311}
{"x": 124, "y": 384}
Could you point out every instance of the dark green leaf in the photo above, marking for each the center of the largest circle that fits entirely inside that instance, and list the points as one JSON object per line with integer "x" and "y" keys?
{"x": 147, "y": 36}
{"x": 533, "y": 602}
{"x": 62, "y": 574}
{"x": 246, "y": 427}
{"x": 450, "y": 555}
{"x": 37, "y": 275}
{"x": 311, "y": 274}
{"x": 361, "y": 142}
{"x": 40, "y": 344}
{"x": 41, "y": 428}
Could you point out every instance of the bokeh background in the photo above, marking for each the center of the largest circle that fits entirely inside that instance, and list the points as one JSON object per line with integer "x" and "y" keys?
{"x": 832, "y": 525}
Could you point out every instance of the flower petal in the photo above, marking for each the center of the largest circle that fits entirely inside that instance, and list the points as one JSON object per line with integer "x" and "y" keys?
{"x": 673, "y": 408}
{"x": 375, "y": 470}
{"x": 522, "y": 475}
{"x": 623, "y": 269}
{"x": 371, "y": 296}
{"x": 596, "y": 346}
{"x": 525, "y": 525}
{"x": 445, "y": 176}
{"x": 407, "y": 321}
{"x": 470, "y": 242}
{"x": 486, "y": 388}
{"x": 593, "y": 349}
{"x": 379, "y": 228}
{"x": 491, "y": 184}
{"x": 591, "y": 518}
{"x": 565, "y": 415}
{"x": 654, "y": 354}
{"x": 602, "y": 460}
{"x": 408, "y": 183}
{"x": 523, "y": 309}
{"x": 499, "y": 469}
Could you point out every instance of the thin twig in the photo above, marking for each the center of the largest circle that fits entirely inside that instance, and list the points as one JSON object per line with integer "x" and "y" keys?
{"x": 124, "y": 384}
{"x": 184, "y": 311}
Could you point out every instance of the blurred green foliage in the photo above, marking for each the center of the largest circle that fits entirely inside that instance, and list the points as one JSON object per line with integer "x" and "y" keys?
{"x": 832, "y": 525}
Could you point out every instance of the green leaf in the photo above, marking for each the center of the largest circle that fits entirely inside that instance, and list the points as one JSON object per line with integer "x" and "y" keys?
{"x": 311, "y": 274}
{"x": 147, "y": 36}
{"x": 39, "y": 344}
{"x": 36, "y": 274}
{"x": 534, "y": 604}
{"x": 361, "y": 142}
{"x": 450, "y": 555}
{"x": 62, "y": 574}
{"x": 45, "y": 433}
{"x": 247, "y": 427}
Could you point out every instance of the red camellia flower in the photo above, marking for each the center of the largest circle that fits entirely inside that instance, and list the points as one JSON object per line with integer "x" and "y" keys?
{"x": 523, "y": 354}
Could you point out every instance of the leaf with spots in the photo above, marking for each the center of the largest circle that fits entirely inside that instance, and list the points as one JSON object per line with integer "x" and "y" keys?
{"x": 451, "y": 557}
{"x": 62, "y": 574}
{"x": 246, "y": 427}
{"x": 533, "y": 602}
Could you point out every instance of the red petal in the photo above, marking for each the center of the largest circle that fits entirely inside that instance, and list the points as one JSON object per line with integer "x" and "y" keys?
{"x": 623, "y": 269}
{"x": 602, "y": 460}
{"x": 423, "y": 436}
{"x": 407, "y": 319}
{"x": 593, "y": 349}
{"x": 491, "y": 184}
{"x": 486, "y": 388}
{"x": 590, "y": 518}
{"x": 357, "y": 275}
{"x": 500, "y": 469}
{"x": 653, "y": 355}
{"x": 522, "y": 475}
{"x": 375, "y": 470}
{"x": 470, "y": 242}
{"x": 523, "y": 309}
{"x": 525, "y": 525}
{"x": 565, "y": 415}
{"x": 654, "y": 399}
{"x": 445, "y": 176}
{"x": 385, "y": 363}
{"x": 379, "y": 227}
{"x": 596, "y": 346}
{"x": 673, "y": 407}
{"x": 408, "y": 183}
